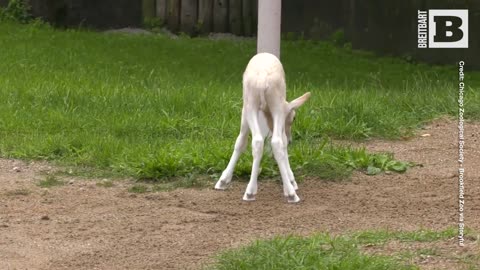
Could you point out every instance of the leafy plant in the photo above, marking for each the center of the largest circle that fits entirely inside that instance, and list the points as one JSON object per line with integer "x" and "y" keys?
{"x": 338, "y": 37}
{"x": 16, "y": 10}
{"x": 153, "y": 23}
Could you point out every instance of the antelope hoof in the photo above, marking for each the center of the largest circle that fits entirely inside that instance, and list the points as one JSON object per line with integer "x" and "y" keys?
{"x": 221, "y": 185}
{"x": 293, "y": 198}
{"x": 249, "y": 197}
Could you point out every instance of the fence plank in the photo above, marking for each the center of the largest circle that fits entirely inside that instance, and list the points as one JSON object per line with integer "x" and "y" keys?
{"x": 148, "y": 8}
{"x": 161, "y": 10}
{"x": 247, "y": 17}
{"x": 220, "y": 16}
{"x": 255, "y": 16}
{"x": 235, "y": 17}
{"x": 205, "y": 16}
{"x": 173, "y": 15}
{"x": 188, "y": 16}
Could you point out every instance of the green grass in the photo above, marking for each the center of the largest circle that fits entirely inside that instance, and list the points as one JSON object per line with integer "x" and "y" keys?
{"x": 138, "y": 188}
{"x": 471, "y": 260}
{"x": 151, "y": 107}
{"x": 424, "y": 235}
{"x": 105, "y": 183}
{"x": 321, "y": 251}
{"x": 50, "y": 181}
{"x": 324, "y": 251}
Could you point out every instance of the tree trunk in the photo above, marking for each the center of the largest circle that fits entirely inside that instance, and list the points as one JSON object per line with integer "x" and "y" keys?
{"x": 269, "y": 19}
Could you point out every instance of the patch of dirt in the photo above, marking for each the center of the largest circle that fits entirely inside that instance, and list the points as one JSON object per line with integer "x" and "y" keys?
{"x": 84, "y": 226}
{"x": 443, "y": 254}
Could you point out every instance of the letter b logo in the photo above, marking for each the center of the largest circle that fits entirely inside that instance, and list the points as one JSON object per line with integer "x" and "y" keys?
{"x": 448, "y": 28}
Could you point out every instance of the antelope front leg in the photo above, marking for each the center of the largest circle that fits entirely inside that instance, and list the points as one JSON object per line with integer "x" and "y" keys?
{"x": 280, "y": 153}
{"x": 291, "y": 177}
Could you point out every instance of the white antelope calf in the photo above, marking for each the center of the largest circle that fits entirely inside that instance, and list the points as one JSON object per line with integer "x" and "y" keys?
{"x": 265, "y": 110}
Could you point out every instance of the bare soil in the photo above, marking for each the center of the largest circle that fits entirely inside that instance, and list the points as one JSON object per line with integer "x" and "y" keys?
{"x": 81, "y": 225}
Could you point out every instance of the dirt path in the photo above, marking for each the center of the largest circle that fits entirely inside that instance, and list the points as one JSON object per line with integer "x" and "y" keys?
{"x": 84, "y": 226}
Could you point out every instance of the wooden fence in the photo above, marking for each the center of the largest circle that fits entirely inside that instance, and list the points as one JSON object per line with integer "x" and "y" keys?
{"x": 204, "y": 16}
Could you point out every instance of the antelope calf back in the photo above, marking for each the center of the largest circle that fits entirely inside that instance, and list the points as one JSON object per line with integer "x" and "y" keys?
{"x": 265, "y": 112}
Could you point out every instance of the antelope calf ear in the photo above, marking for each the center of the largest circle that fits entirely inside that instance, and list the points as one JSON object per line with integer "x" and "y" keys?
{"x": 294, "y": 104}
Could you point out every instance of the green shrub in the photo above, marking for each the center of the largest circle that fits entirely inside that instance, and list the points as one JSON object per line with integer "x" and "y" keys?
{"x": 17, "y": 10}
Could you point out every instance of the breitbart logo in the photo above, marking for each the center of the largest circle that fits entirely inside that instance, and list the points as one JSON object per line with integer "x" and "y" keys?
{"x": 443, "y": 28}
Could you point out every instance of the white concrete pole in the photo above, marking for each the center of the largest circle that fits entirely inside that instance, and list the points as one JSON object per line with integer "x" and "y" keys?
{"x": 269, "y": 21}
